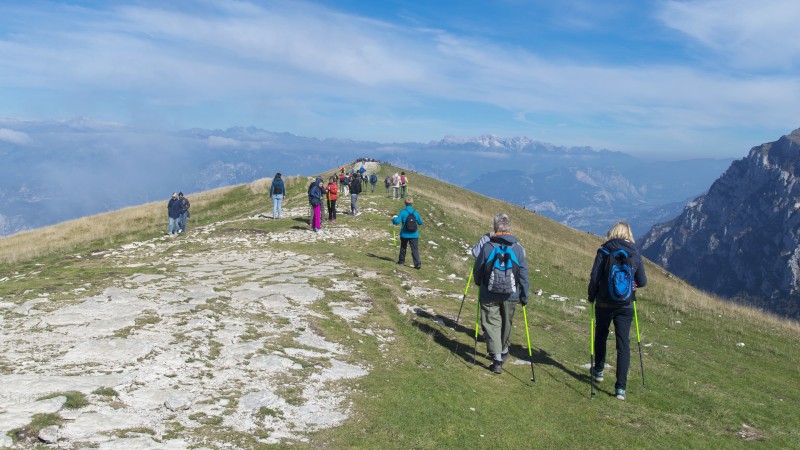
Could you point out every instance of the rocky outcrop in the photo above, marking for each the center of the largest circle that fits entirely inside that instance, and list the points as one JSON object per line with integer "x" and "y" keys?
{"x": 741, "y": 240}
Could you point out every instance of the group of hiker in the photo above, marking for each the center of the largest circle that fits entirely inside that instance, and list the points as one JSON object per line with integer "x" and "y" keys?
{"x": 500, "y": 269}
{"x": 178, "y": 212}
{"x": 398, "y": 183}
{"x": 501, "y": 272}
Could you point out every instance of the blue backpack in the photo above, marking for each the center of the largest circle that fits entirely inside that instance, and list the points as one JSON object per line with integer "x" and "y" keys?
{"x": 620, "y": 275}
{"x": 502, "y": 268}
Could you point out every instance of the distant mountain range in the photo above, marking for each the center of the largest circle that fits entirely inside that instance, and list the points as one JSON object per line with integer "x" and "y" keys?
{"x": 742, "y": 239}
{"x": 58, "y": 170}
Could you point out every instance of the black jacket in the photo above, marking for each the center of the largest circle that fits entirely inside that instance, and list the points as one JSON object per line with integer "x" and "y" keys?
{"x": 355, "y": 185}
{"x": 599, "y": 268}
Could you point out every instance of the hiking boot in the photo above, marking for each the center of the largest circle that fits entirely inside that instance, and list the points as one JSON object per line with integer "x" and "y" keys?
{"x": 496, "y": 366}
{"x": 621, "y": 394}
{"x": 504, "y": 357}
{"x": 418, "y": 266}
{"x": 598, "y": 375}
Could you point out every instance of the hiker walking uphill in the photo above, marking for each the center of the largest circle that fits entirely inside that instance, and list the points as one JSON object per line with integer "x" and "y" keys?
{"x": 403, "y": 184}
{"x": 315, "y": 191}
{"x": 616, "y": 274}
{"x": 355, "y": 189}
{"x": 332, "y": 194}
{"x": 395, "y": 186}
{"x": 501, "y": 271}
{"x": 409, "y": 221}
{"x": 185, "y": 205}
{"x": 277, "y": 191}
{"x": 174, "y": 210}
{"x": 373, "y": 180}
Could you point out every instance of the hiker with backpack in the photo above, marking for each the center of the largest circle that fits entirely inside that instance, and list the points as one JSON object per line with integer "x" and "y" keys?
{"x": 403, "y": 184}
{"x": 373, "y": 180}
{"x": 332, "y": 193}
{"x": 616, "y": 274}
{"x": 315, "y": 191}
{"x": 501, "y": 271}
{"x": 355, "y": 189}
{"x": 174, "y": 209}
{"x": 410, "y": 221}
{"x": 388, "y": 183}
{"x": 396, "y": 186}
{"x": 277, "y": 190}
{"x": 185, "y": 205}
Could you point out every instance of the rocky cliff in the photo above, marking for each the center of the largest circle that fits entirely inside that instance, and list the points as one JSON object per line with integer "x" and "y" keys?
{"x": 741, "y": 240}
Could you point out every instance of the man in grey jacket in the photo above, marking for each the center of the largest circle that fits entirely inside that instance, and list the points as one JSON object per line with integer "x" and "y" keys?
{"x": 501, "y": 271}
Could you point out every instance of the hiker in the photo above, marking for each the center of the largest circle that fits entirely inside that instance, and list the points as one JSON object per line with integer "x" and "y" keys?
{"x": 332, "y": 192}
{"x": 277, "y": 190}
{"x": 409, "y": 221}
{"x": 610, "y": 307}
{"x": 315, "y": 191}
{"x": 395, "y": 186}
{"x": 174, "y": 208}
{"x": 365, "y": 179}
{"x": 501, "y": 271}
{"x": 388, "y": 183}
{"x": 403, "y": 184}
{"x": 355, "y": 189}
{"x": 184, "y": 211}
{"x": 373, "y": 180}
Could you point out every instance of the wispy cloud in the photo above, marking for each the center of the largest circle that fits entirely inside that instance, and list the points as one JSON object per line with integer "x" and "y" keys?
{"x": 14, "y": 137}
{"x": 309, "y": 69}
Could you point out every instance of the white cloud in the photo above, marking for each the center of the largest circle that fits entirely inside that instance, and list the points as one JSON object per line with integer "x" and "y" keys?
{"x": 14, "y": 137}
{"x": 760, "y": 34}
{"x": 222, "y": 142}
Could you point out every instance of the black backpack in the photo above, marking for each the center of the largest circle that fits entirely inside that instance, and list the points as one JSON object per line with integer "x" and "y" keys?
{"x": 411, "y": 225}
{"x": 277, "y": 188}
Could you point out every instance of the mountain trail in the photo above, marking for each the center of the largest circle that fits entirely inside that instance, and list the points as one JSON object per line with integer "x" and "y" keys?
{"x": 199, "y": 340}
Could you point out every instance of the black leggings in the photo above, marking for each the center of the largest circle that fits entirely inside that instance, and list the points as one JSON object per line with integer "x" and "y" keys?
{"x": 331, "y": 209}
{"x": 622, "y": 318}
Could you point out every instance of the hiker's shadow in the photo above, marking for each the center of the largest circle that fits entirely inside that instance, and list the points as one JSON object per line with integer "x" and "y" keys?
{"x": 466, "y": 353}
{"x": 383, "y": 258}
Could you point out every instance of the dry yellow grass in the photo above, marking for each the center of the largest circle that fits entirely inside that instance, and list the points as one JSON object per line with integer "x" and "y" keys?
{"x": 69, "y": 235}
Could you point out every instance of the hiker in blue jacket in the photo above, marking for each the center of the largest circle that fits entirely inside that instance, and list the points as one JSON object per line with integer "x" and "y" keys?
{"x": 174, "y": 209}
{"x": 409, "y": 232}
{"x": 607, "y": 310}
{"x": 277, "y": 191}
{"x": 498, "y": 305}
{"x": 373, "y": 180}
{"x": 315, "y": 192}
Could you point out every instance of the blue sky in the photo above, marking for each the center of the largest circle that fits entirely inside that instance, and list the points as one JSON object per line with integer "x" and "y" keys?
{"x": 668, "y": 79}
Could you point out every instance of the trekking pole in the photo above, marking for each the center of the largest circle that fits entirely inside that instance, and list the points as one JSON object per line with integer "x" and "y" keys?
{"x": 591, "y": 358}
{"x": 528, "y": 336}
{"x": 466, "y": 289}
{"x": 639, "y": 342}
{"x": 477, "y": 321}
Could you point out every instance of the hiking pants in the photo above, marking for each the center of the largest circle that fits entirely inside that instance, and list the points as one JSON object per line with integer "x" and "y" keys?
{"x": 414, "y": 242}
{"x": 331, "y": 210}
{"x": 353, "y": 203}
{"x": 622, "y": 318}
{"x": 496, "y": 320}
{"x": 403, "y": 191}
{"x": 184, "y": 216}
{"x": 316, "y": 221}
{"x": 174, "y": 225}
{"x": 395, "y": 192}
{"x": 277, "y": 200}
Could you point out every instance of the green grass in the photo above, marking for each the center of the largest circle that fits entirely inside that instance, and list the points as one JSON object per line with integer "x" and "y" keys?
{"x": 424, "y": 392}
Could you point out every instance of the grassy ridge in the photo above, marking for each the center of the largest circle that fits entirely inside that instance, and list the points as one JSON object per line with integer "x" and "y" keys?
{"x": 704, "y": 391}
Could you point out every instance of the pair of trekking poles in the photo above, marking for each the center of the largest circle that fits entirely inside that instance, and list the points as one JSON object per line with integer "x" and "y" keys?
{"x": 591, "y": 343}
{"x": 477, "y": 326}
